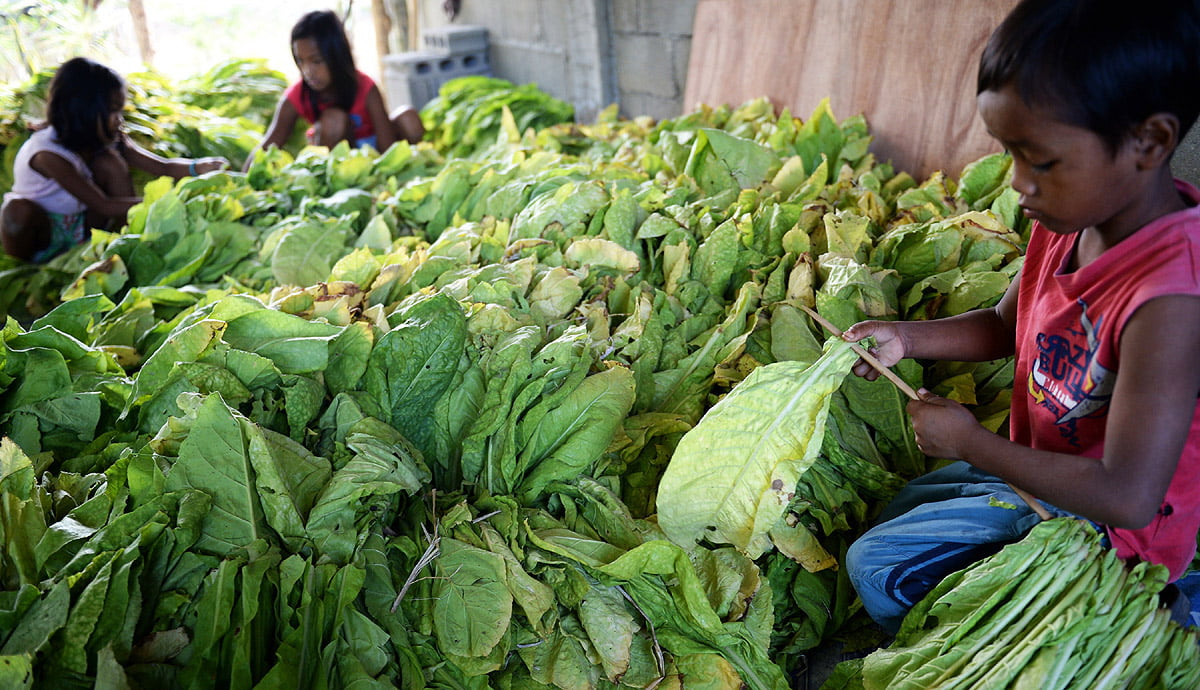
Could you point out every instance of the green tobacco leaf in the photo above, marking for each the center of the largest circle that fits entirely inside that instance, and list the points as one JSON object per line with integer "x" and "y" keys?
{"x": 983, "y": 180}
{"x": 682, "y": 389}
{"x": 381, "y": 467}
{"x": 882, "y": 406}
{"x": 473, "y": 606}
{"x": 16, "y": 671}
{"x": 717, "y": 257}
{"x": 306, "y": 253}
{"x": 663, "y": 580}
{"x": 187, "y": 345}
{"x": 43, "y": 619}
{"x": 45, "y": 376}
{"x": 720, "y": 161}
{"x": 77, "y": 316}
{"x": 413, "y": 364}
{"x": 81, "y": 622}
{"x": 731, "y": 477}
{"x": 288, "y": 478}
{"x": 295, "y": 344}
{"x": 610, "y": 627}
{"x": 560, "y": 661}
{"x": 533, "y": 596}
{"x": 214, "y": 458}
{"x": 571, "y": 437}
{"x": 16, "y": 471}
{"x": 213, "y": 620}
{"x": 348, "y": 354}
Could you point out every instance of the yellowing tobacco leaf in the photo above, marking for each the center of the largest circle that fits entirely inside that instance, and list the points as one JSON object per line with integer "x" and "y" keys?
{"x": 733, "y": 474}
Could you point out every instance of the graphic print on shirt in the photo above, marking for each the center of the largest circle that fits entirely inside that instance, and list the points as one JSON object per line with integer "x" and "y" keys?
{"x": 1066, "y": 377}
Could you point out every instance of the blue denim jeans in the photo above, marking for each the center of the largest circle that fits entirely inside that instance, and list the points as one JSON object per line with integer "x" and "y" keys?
{"x": 938, "y": 523}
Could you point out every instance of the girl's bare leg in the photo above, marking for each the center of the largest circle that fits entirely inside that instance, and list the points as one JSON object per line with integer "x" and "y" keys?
{"x": 333, "y": 126}
{"x": 24, "y": 228}
{"x": 407, "y": 121}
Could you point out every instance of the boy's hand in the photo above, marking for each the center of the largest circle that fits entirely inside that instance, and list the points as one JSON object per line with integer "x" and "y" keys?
{"x": 889, "y": 347}
{"x": 943, "y": 427}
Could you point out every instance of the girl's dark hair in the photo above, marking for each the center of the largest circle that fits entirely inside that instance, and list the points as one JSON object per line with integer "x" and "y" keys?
{"x": 83, "y": 94}
{"x": 324, "y": 27}
{"x": 1104, "y": 65}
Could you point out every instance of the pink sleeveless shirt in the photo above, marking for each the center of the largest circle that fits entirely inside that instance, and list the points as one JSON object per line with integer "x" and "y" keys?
{"x": 363, "y": 128}
{"x": 1068, "y": 341}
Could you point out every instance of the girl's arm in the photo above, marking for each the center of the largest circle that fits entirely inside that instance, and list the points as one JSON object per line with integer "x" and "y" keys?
{"x": 1149, "y": 418}
{"x": 280, "y": 129}
{"x": 57, "y": 168}
{"x": 385, "y": 132}
{"x": 138, "y": 157}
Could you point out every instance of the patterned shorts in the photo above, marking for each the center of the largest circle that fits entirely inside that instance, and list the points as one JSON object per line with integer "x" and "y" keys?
{"x": 66, "y": 231}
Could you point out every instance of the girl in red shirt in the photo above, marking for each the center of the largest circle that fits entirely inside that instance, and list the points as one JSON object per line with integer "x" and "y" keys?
{"x": 340, "y": 102}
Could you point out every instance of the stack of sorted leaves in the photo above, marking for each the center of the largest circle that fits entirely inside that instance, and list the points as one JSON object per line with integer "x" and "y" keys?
{"x": 1055, "y": 610}
{"x": 466, "y": 114}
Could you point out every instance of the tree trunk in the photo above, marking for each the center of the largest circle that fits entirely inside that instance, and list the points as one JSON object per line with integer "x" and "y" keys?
{"x": 383, "y": 27}
{"x": 398, "y": 9}
{"x": 137, "y": 10}
{"x": 413, "y": 24}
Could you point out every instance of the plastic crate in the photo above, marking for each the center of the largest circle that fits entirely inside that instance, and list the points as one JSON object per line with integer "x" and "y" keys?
{"x": 412, "y": 78}
{"x": 456, "y": 39}
{"x": 417, "y": 63}
{"x": 457, "y": 65}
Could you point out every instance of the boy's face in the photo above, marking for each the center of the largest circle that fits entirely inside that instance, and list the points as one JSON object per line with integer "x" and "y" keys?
{"x": 1066, "y": 176}
{"x": 311, "y": 63}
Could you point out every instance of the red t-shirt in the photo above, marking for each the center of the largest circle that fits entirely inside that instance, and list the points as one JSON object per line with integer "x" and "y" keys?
{"x": 1068, "y": 352}
{"x": 358, "y": 112}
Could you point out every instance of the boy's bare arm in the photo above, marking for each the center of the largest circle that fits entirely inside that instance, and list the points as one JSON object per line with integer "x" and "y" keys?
{"x": 975, "y": 336}
{"x": 1148, "y": 422}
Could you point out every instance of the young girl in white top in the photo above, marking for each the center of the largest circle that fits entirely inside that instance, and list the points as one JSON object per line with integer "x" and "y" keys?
{"x": 74, "y": 173}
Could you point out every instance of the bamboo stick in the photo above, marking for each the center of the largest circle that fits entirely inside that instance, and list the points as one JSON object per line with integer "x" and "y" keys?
{"x": 912, "y": 394}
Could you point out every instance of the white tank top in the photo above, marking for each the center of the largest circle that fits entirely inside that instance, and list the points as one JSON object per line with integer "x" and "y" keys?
{"x": 34, "y": 186}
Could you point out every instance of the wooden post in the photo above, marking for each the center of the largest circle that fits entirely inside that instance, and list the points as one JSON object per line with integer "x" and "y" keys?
{"x": 383, "y": 28}
{"x": 141, "y": 30}
{"x": 413, "y": 22}
{"x": 400, "y": 20}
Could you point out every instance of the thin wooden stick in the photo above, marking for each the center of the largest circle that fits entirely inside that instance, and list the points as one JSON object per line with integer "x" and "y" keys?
{"x": 908, "y": 390}
{"x": 867, "y": 356}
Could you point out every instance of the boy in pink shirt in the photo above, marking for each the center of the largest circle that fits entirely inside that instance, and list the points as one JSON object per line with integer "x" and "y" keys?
{"x": 1091, "y": 100}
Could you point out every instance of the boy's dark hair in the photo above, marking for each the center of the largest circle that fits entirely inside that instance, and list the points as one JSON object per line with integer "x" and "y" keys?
{"x": 1104, "y": 65}
{"x": 324, "y": 27}
{"x": 82, "y": 95}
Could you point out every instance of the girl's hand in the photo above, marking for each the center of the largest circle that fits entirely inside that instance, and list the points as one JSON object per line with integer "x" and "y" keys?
{"x": 209, "y": 164}
{"x": 889, "y": 347}
{"x": 943, "y": 427}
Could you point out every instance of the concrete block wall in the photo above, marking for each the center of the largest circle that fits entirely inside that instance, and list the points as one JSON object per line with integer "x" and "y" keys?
{"x": 590, "y": 52}
{"x": 560, "y": 45}
{"x": 651, "y": 44}
{"x": 593, "y": 53}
